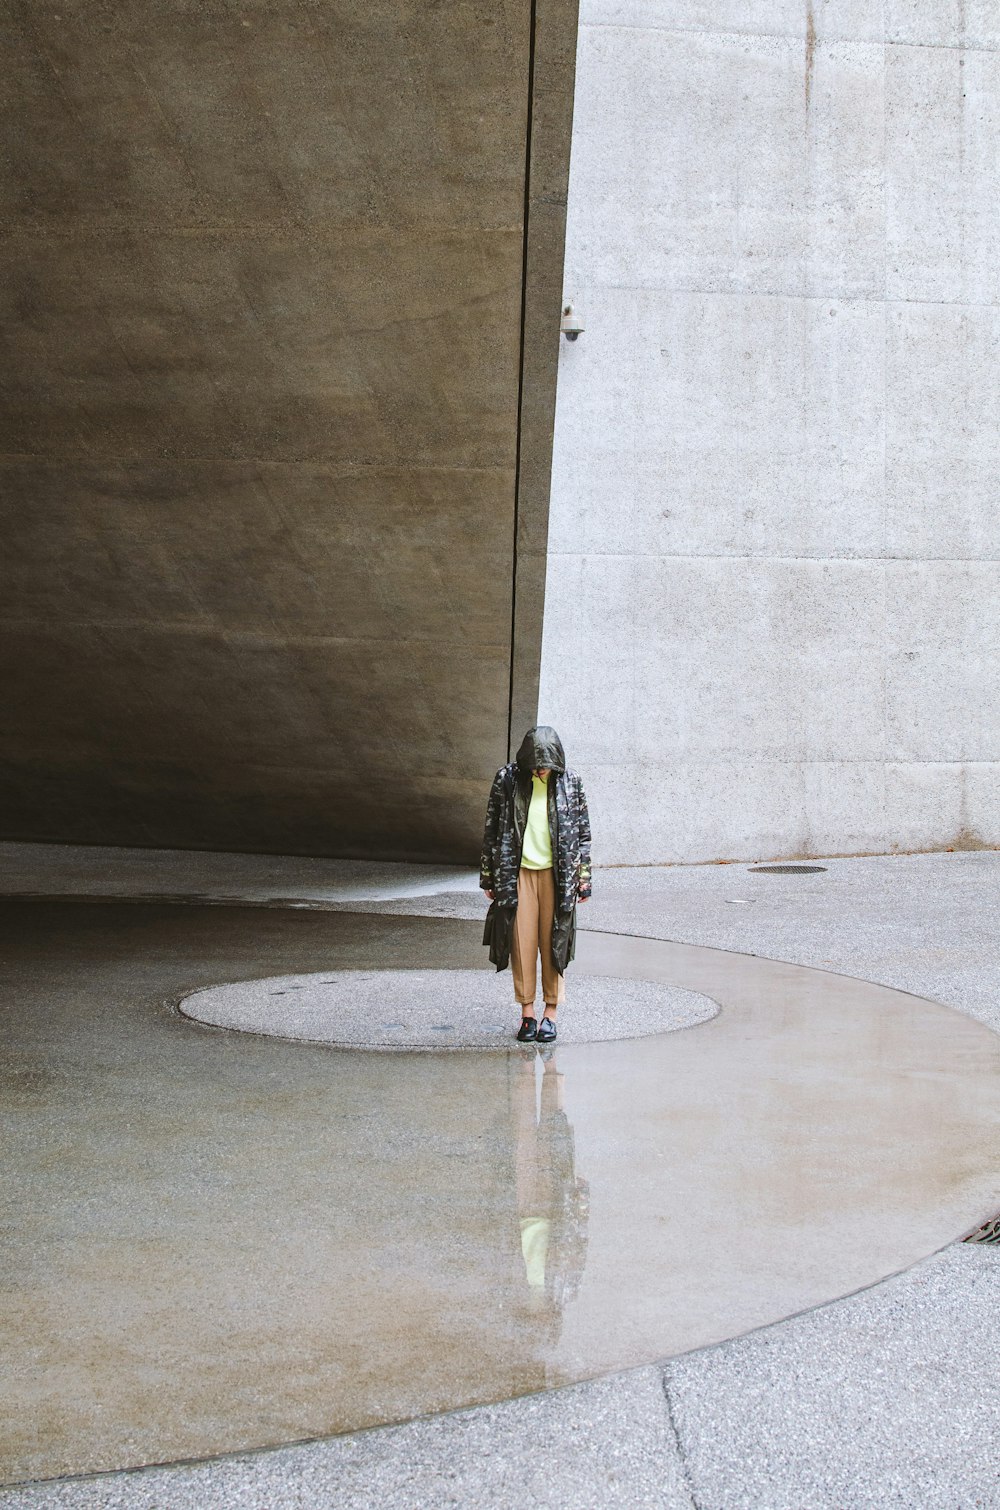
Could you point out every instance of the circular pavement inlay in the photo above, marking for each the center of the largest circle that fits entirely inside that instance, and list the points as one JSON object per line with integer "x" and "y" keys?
{"x": 418, "y": 1009}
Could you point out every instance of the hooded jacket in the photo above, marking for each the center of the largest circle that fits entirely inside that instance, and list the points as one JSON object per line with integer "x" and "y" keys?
{"x": 503, "y": 841}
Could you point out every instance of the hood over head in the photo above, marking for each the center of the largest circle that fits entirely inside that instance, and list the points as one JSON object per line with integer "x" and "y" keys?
{"x": 541, "y": 748}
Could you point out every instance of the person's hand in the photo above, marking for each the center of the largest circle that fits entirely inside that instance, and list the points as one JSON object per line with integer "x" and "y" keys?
{"x": 488, "y": 893}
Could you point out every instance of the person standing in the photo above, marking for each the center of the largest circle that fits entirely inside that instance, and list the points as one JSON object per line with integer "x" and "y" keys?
{"x": 535, "y": 868}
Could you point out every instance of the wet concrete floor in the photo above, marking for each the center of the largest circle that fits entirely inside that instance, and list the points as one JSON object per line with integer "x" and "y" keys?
{"x": 215, "y": 1240}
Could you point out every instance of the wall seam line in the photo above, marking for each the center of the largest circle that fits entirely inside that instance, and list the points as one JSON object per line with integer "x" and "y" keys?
{"x": 529, "y": 122}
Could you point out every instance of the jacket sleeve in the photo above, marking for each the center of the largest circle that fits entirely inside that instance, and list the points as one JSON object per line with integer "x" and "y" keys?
{"x": 583, "y": 885}
{"x": 491, "y": 833}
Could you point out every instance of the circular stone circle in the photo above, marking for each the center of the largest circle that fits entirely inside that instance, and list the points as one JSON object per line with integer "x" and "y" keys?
{"x": 437, "y": 1009}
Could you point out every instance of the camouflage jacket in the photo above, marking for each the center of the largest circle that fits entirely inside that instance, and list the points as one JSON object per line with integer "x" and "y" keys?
{"x": 503, "y": 840}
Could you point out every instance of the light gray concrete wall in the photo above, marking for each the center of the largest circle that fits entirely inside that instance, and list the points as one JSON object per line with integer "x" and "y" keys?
{"x": 773, "y": 592}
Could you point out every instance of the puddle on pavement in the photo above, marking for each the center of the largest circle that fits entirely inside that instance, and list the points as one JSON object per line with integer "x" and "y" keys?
{"x": 234, "y": 1242}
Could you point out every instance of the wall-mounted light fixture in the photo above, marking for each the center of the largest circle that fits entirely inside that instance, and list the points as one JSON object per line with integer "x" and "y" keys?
{"x": 571, "y": 325}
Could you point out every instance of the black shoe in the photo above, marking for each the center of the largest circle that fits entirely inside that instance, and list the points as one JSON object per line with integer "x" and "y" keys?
{"x": 528, "y": 1031}
{"x": 546, "y": 1030}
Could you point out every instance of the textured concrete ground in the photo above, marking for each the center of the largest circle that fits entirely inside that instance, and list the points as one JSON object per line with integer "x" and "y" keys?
{"x": 888, "y": 1398}
{"x": 355, "y": 1240}
{"x": 922, "y": 923}
{"x": 884, "y": 1400}
{"x": 424, "y": 1009}
{"x": 205, "y": 875}
{"x": 610, "y": 1443}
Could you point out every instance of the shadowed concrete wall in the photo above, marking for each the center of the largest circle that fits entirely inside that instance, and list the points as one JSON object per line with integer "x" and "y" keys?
{"x": 773, "y": 607}
{"x": 262, "y": 288}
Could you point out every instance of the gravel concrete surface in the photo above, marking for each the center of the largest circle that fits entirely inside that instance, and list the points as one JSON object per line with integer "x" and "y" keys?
{"x": 923, "y": 923}
{"x": 211, "y": 875}
{"x": 887, "y": 1398}
{"x": 436, "y": 1009}
{"x": 598, "y": 1446}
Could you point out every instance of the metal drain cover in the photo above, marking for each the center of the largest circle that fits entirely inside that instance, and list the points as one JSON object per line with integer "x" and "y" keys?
{"x": 989, "y": 1232}
{"x": 786, "y": 870}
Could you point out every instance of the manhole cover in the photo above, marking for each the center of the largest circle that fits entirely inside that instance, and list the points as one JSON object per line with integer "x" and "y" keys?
{"x": 786, "y": 870}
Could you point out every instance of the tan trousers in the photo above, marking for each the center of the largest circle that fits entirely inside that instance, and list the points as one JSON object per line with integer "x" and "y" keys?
{"x": 536, "y": 905}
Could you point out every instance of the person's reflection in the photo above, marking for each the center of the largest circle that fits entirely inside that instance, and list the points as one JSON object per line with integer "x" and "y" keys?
{"x": 552, "y": 1203}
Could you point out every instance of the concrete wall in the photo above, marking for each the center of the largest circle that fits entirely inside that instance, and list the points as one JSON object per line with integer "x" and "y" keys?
{"x": 773, "y": 612}
{"x": 271, "y": 389}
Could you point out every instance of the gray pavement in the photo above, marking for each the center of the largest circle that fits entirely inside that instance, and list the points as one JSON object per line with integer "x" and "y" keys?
{"x": 887, "y": 1398}
{"x": 211, "y": 875}
{"x": 606, "y": 1444}
{"x": 923, "y": 923}
{"x": 417, "y": 1009}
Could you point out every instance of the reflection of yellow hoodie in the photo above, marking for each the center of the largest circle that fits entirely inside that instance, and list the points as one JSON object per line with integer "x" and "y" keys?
{"x": 535, "y": 1248}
